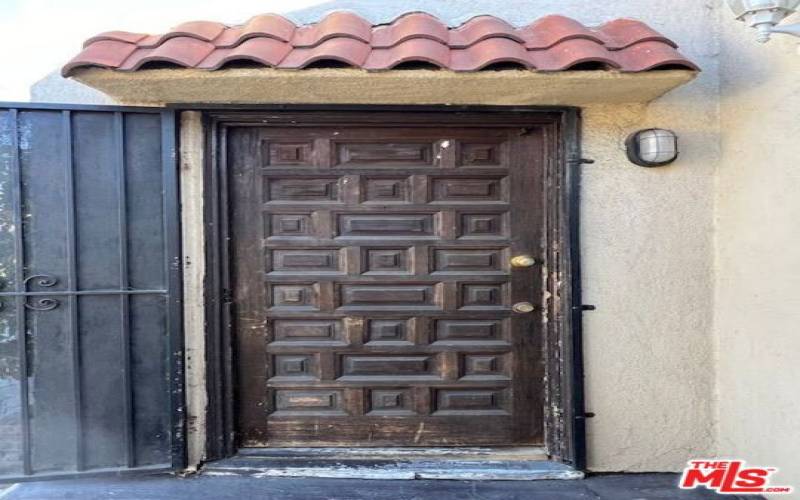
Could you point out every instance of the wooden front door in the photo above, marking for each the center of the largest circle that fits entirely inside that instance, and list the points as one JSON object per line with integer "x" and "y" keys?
{"x": 372, "y": 283}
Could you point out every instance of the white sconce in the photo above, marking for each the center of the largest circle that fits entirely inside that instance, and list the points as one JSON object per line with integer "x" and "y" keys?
{"x": 765, "y": 15}
{"x": 654, "y": 147}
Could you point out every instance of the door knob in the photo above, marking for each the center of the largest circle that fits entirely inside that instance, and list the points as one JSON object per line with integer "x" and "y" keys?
{"x": 523, "y": 307}
{"x": 523, "y": 261}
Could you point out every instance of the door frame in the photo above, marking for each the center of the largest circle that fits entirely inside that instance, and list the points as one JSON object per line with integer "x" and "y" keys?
{"x": 564, "y": 417}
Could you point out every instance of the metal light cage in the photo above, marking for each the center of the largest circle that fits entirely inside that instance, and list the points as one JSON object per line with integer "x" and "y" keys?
{"x": 652, "y": 147}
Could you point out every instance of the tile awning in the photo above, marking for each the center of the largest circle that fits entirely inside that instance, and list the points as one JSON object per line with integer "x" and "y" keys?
{"x": 550, "y": 44}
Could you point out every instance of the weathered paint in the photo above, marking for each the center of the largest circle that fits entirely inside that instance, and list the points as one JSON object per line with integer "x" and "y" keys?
{"x": 516, "y": 464}
{"x": 461, "y": 453}
{"x": 191, "y": 178}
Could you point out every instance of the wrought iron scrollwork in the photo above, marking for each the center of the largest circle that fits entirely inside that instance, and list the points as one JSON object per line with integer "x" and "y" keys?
{"x": 43, "y": 304}
{"x": 37, "y": 299}
{"x": 33, "y": 300}
{"x": 43, "y": 280}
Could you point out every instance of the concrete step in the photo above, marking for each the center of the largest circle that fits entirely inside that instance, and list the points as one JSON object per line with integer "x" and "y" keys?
{"x": 520, "y": 464}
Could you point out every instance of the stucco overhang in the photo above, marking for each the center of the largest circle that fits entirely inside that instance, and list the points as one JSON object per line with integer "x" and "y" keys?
{"x": 353, "y": 86}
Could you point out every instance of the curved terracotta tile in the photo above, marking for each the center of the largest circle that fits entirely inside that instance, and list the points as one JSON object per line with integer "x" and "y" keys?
{"x": 553, "y": 29}
{"x": 570, "y": 53}
{"x": 182, "y": 51}
{"x": 117, "y": 36}
{"x": 414, "y": 50}
{"x": 229, "y": 38}
{"x": 626, "y": 32}
{"x": 488, "y": 52}
{"x": 104, "y": 53}
{"x": 150, "y": 41}
{"x": 201, "y": 30}
{"x": 266, "y": 51}
{"x": 647, "y": 56}
{"x": 480, "y": 28}
{"x": 269, "y": 25}
{"x": 407, "y": 27}
{"x": 335, "y": 24}
{"x": 346, "y": 50}
{"x": 553, "y": 43}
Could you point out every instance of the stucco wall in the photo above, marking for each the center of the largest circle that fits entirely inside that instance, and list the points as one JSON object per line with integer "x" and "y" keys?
{"x": 758, "y": 253}
{"x": 55, "y": 88}
{"x": 646, "y": 249}
{"x": 647, "y": 241}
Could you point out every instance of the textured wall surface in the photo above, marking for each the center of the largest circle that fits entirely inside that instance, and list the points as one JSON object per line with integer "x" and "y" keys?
{"x": 55, "y": 88}
{"x": 758, "y": 277}
{"x": 646, "y": 249}
{"x": 647, "y": 240}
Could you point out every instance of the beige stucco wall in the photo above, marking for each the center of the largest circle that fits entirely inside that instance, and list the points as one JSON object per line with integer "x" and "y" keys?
{"x": 757, "y": 321}
{"x": 646, "y": 247}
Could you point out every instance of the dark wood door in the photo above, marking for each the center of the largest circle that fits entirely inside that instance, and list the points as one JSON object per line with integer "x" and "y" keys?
{"x": 372, "y": 285}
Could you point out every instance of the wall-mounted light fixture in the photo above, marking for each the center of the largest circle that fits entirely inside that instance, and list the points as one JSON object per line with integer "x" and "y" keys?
{"x": 653, "y": 147}
{"x": 765, "y": 15}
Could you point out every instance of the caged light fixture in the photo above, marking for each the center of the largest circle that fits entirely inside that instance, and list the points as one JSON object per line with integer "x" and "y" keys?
{"x": 765, "y": 15}
{"x": 653, "y": 147}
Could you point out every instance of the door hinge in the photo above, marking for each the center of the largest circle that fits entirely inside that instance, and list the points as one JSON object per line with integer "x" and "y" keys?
{"x": 227, "y": 296}
{"x": 580, "y": 161}
{"x": 585, "y": 307}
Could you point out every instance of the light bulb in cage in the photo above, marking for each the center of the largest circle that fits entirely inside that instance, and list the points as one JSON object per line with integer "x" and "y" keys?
{"x": 653, "y": 147}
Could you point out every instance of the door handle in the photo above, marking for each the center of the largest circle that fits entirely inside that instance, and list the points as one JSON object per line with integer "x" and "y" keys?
{"x": 523, "y": 261}
{"x": 523, "y": 307}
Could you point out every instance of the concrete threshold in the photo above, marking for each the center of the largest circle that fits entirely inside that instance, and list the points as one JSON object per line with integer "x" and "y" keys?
{"x": 487, "y": 464}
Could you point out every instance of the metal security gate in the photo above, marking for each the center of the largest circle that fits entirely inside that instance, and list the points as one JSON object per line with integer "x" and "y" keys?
{"x": 90, "y": 335}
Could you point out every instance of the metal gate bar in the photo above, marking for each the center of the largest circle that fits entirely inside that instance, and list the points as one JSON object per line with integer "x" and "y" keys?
{"x": 72, "y": 284}
{"x": 19, "y": 285}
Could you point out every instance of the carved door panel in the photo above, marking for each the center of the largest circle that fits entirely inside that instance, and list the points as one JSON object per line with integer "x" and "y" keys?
{"x": 373, "y": 288}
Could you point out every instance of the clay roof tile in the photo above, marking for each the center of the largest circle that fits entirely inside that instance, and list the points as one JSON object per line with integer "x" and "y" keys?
{"x": 481, "y": 28}
{"x": 553, "y": 43}
{"x": 344, "y": 50}
{"x": 181, "y": 51}
{"x": 421, "y": 50}
{"x": 334, "y": 25}
{"x": 409, "y": 26}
